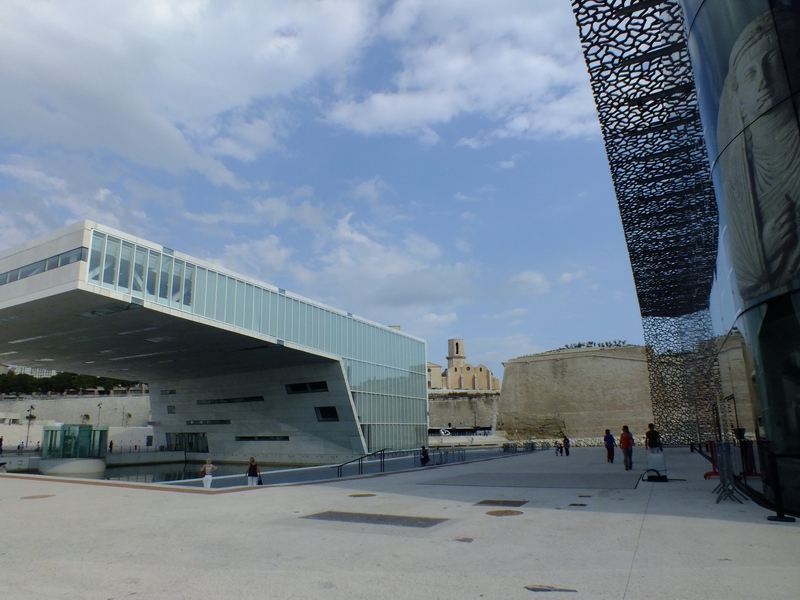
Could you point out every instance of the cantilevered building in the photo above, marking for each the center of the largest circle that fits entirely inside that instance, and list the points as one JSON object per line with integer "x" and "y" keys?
{"x": 236, "y": 367}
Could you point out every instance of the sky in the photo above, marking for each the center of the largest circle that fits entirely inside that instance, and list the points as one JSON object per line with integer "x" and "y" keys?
{"x": 436, "y": 165}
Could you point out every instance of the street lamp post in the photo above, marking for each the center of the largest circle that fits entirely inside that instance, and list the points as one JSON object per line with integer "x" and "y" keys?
{"x": 99, "y": 406}
{"x": 30, "y": 418}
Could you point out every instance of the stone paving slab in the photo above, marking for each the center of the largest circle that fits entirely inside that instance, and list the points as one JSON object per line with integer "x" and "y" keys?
{"x": 543, "y": 480}
{"x": 65, "y": 539}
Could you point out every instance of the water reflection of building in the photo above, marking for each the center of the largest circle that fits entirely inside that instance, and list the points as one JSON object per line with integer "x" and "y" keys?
{"x": 748, "y": 77}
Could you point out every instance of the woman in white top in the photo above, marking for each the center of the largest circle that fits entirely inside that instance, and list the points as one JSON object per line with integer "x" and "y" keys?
{"x": 206, "y": 473}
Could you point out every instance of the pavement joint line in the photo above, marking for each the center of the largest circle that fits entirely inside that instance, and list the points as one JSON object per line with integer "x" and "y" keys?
{"x": 642, "y": 518}
{"x": 129, "y": 485}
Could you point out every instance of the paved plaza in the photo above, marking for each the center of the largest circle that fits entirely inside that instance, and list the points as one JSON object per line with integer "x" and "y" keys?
{"x": 521, "y": 526}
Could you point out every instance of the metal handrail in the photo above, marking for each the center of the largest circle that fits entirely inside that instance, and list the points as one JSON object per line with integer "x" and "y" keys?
{"x": 360, "y": 461}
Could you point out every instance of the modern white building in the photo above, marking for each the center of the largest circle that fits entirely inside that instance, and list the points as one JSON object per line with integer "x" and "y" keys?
{"x": 236, "y": 367}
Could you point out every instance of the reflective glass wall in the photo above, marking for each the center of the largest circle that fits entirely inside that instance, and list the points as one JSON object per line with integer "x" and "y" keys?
{"x": 746, "y": 60}
{"x": 385, "y": 368}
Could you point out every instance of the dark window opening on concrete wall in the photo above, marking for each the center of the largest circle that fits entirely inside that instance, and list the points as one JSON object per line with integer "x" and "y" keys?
{"x": 307, "y": 387}
{"x": 326, "y": 413}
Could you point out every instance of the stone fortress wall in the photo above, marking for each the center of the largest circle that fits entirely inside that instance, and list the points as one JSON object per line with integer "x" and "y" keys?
{"x": 581, "y": 392}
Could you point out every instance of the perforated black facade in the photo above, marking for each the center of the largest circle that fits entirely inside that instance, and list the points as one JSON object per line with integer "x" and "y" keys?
{"x": 642, "y": 82}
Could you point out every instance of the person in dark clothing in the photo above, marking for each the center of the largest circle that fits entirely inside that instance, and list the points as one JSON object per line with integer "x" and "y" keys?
{"x": 609, "y": 442}
{"x": 424, "y": 457}
{"x": 652, "y": 439}
{"x": 566, "y": 444}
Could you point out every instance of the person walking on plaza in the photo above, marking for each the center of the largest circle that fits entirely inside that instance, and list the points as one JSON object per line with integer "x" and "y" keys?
{"x": 253, "y": 472}
{"x": 609, "y": 442}
{"x": 566, "y": 444}
{"x": 1, "y": 445}
{"x": 207, "y": 473}
{"x": 626, "y": 444}
{"x": 424, "y": 457}
{"x": 652, "y": 439}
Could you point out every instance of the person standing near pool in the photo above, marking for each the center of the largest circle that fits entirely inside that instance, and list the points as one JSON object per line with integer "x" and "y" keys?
{"x": 207, "y": 473}
{"x": 253, "y": 472}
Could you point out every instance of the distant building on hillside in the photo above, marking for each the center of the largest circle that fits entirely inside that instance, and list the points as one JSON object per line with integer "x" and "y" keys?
{"x": 460, "y": 375}
{"x": 38, "y": 372}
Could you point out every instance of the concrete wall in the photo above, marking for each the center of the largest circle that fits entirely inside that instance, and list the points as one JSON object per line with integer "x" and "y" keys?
{"x": 578, "y": 392}
{"x": 123, "y": 430}
{"x": 462, "y": 408}
{"x": 286, "y": 425}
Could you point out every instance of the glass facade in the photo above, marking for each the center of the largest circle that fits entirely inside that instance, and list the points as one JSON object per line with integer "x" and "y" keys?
{"x": 746, "y": 59}
{"x": 74, "y": 441}
{"x": 385, "y": 368}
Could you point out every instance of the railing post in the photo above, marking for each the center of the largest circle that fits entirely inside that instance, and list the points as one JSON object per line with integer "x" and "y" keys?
{"x": 775, "y": 482}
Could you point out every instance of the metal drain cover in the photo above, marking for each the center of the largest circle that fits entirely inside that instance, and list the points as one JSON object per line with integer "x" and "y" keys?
{"x": 514, "y": 503}
{"x": 373, "y": 519}
{"x": 547, "y": 588}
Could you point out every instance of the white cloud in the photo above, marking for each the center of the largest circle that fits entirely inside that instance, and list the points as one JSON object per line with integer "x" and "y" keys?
{"x": 360, "y": 266}
{"x": 56, "y": 200}
{"x": 439, "y": 320}
{"x": 266, "y": 256}
{"x": 517, "y": 63}
{"x": 371, "y": 190}
{"x": 167, "y": 85}
{"x": 530, "y": 282}
{"x": 463, "y": 246}
{"x": 25, "y": 172}
{"x": 568, "y": 276}
{"x": 514, "y": 313}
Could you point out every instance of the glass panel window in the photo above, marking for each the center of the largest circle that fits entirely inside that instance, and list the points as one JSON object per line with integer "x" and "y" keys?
{"x": 300, "y": 322}
{"x": 211, "y": 295}
{"x": 96, "y": 256}
{"x": 139, "y": 265}
{"x": 71, "y": 256}
{"x": 188, "y": 286}
{"x": 256, "y": 326}
{"x": 230, "y": 300}
{"x": 222, "y": 281}
{"x": 248, "y": 307}
{"x": 163, "y": 284}
{"x": 52, "y": 263}
{"x": 239, "y": 316}
{"x": 200, "y": 292}
{"x": 30, "y": 270}
{"x": 269, "y": 306}
{"x": 280, "y": 323}
{"x": 125, "y": 264}
{"x": 153, "y": 267}
{"x": 111, "y": 261}
{"x": 176, "y": 290}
